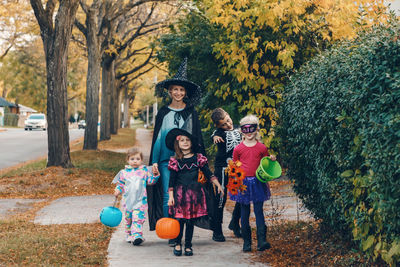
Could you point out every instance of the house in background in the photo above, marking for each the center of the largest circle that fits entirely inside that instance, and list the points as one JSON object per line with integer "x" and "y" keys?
{"x": 24, "y": 113}
{"x": 5, "y": 104}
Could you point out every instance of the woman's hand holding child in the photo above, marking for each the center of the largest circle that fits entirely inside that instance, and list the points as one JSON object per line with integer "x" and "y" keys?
{"x": 155, "y": 170}
{"x": 116, "y": 192}
{"x": 272, "y": 157}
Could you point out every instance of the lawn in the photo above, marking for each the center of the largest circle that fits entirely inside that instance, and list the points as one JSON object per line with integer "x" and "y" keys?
{"x": 23, "y": 243}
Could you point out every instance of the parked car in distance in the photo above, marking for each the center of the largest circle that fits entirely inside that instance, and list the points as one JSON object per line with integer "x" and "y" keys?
{"x": 36, "y": 121}
{"x": 82, "y": 124}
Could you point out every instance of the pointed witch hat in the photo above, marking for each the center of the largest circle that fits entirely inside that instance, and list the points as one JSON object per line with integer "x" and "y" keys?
{"x": 193, "y": 91}
{"x": 174, "y": 133}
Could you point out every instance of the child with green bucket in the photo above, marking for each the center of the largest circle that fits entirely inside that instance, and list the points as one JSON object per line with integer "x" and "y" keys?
{"x": 250, "y": 152}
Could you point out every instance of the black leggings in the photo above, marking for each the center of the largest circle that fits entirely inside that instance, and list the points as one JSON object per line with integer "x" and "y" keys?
{"x": 188, "y": 232}
{"x": 218, "y": 203}
{"x": 258, "y": 211}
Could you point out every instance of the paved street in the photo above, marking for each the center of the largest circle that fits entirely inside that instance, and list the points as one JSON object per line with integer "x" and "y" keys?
{"x": 18, "y": 145}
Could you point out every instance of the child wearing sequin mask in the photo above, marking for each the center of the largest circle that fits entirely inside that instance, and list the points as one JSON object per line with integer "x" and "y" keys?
{"x": 250, "y": 152}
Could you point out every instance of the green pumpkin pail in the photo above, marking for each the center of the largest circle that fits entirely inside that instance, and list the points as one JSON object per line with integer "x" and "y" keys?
{"x": 268, "y": 170}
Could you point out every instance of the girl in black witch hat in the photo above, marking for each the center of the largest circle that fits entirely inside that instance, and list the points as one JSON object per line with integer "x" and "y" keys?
{"x": 187, "y": 193}
{"x": 179, "y": 113}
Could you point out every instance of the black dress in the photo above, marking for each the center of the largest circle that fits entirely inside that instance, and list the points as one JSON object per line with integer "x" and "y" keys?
{"x": 190, "y": 193}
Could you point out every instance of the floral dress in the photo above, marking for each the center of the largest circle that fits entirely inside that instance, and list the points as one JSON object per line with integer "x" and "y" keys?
{"x": 189, "y": 191}
{"x": 131, "y": 182}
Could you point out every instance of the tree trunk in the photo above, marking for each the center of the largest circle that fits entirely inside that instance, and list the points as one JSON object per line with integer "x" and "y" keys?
{"x": 114, "y": 105}
{"x": 118, "y": 109}
{"x": 126, "y": 108}
{"x": 55, "y": 43}
{"x": 92, "y": 81}
{"x": 106, "y": 81}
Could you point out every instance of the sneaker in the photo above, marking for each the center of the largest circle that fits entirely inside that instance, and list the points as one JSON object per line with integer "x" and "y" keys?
{"x": 137, "y": 241}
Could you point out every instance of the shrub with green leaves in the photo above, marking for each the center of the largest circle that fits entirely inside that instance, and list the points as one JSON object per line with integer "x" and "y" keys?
{"x": 340, "y": 139}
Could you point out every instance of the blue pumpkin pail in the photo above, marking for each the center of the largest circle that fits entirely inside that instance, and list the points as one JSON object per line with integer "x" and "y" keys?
{"x": 111, "y": 216}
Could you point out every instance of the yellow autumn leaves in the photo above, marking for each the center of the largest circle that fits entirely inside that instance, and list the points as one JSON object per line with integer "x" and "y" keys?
{"x": 263, "y": 39}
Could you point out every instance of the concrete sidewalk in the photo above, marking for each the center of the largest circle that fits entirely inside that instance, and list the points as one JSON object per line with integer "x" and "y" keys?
{"x": 156, "y": 252}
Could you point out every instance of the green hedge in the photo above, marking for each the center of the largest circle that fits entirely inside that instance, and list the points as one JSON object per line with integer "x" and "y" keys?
{"x": 340, "y": 139}
{"x": 10, "y": 119}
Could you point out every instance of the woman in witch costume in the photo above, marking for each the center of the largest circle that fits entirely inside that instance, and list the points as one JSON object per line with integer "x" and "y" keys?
{"x": 179, "y": 113}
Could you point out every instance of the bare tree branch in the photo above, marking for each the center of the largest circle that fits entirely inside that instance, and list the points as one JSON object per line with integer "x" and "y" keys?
{"x": 45, "y": 23}
{"x": 80, "y": 27}
{"x": 84, "y": 6}
{"x": 137, "y": 67}
{"x": 6, "y": 52}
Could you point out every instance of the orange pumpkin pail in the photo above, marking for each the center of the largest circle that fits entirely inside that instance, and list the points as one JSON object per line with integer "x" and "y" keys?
{"x": 167, "y": 228}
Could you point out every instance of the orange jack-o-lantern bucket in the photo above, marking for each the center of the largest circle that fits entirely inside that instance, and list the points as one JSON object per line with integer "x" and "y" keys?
{"x": 167, "y": 228}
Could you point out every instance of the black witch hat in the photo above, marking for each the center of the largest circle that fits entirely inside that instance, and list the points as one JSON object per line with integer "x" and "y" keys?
{"x": 193, "y": 91}
{"x": 174, "y": 133}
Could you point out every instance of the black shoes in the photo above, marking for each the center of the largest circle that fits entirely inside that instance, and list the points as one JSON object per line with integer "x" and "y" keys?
{"x": 188, "y": 251}
{"x": 178, "y": 252}
{"x": 137, "y": 241}
{"x": 218, "y": 237}
{"x": 246, "y": 232}
{"x": 262, "y": 243}
{"x": 235, "y": 228}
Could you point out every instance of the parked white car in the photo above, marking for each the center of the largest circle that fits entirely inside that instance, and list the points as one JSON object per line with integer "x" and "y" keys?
{"x": 36, "y": 121}
{"x": 82, "y": 124}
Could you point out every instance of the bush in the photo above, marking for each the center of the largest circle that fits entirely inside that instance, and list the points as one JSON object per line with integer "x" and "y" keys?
{"x": 10, "y": 119}
{"x": 340, "y": 133}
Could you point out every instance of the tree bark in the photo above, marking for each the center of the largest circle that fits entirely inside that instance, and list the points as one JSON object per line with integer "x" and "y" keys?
{"x": 126, "y": 108}
{"x": 113, "y": 105}
{"x": 106, "y": 81}
{"x": 92, "y": 81}
{"x": 56, "y": 40}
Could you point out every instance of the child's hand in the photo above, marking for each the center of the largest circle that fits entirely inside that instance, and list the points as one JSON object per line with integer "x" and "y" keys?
{"x": 220, "y": 190}
{"x": 171, "y": 201}
{"x": 155, "y": 170}
{"x": 218, "y": 139}
{"x": 272, "y": 157}
{"x": 116, "y": 192}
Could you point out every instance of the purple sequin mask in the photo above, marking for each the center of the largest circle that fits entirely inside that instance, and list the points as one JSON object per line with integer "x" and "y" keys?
{"x": 248, "y": 128}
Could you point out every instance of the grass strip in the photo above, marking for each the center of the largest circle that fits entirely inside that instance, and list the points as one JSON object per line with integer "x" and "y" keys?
{"x": 26, "y": 244}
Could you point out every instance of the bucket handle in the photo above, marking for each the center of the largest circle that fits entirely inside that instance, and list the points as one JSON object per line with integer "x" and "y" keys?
{"x": 115, "y": 201}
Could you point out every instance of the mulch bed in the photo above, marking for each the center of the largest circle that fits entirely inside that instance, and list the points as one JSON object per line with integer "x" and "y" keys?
{"x": 299, "y": 243}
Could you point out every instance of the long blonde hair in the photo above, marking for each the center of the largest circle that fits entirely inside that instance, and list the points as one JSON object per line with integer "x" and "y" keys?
{"x": 251, "y": 119}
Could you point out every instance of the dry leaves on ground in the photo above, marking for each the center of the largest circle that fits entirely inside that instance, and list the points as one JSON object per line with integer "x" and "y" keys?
{"x": 304, "y": 243}
{"x": 56, "y": 182}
